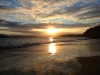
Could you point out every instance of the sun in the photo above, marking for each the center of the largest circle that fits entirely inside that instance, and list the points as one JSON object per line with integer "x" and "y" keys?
{"x": 52, "y": 30}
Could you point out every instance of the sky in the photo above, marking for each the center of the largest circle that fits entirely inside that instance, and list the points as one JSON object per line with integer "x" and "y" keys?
{"x": 33, "y": 17}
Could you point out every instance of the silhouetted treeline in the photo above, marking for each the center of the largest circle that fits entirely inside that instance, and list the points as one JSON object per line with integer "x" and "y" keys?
{"x": 92, "y": 32}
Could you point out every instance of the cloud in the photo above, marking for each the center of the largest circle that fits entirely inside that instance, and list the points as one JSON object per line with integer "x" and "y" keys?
{"x": 19, "y": 26}
{"x": 38, "y": 10}
{"x": 15, "y": 28}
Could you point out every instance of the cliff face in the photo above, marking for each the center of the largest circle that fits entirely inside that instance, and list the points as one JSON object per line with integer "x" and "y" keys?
{"x": 93, "y": 32}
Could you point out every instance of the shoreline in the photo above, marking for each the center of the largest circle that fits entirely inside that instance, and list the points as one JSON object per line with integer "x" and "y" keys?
{"x": 89, "y": 65}
{"x": 18, "y": 59}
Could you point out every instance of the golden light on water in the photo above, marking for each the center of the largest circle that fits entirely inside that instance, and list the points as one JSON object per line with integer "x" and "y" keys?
{"x": 52, "y": 48}
{"x": 51, "y": 39}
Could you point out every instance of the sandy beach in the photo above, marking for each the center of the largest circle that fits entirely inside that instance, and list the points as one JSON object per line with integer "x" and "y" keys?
{"x": 62, "y": 58}
{"x": 25, "y": 61}
{"x": 89, "y": 65}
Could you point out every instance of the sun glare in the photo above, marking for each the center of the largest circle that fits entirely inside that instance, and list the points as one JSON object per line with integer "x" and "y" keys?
{"x": 52, "y": 30}
{"x": 52, "y": 48}
{"x": 51, "y": 39}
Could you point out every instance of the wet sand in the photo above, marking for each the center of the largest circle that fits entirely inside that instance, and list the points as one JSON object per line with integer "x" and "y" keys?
{"x": 89, "y": 65}
{"x": 35, "y": 60}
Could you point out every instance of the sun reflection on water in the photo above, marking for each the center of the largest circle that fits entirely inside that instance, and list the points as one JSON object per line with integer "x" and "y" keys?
{"x": 51, "y": 39}
{"x": 52, "y": 48}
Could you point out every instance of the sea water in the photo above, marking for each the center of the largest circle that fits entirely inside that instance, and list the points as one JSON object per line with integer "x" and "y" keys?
{"x": 45, "y": 56}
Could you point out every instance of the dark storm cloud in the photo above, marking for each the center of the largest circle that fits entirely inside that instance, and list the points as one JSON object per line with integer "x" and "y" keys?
{"x": 2, "y": 7}
{"x": 17, "y": 27}
{"x": 8, "y": 23}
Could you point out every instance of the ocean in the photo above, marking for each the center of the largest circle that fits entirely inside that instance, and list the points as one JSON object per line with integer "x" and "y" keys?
{"x": 45, "y": 56}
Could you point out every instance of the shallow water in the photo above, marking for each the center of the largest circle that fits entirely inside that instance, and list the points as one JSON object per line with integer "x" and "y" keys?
{"x": 46, "y": 56}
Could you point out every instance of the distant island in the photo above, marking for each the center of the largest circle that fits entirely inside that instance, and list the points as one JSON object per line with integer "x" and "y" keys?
{"x": 16, "y": 36}
{"x": 92, "y": 32}
{"x": 71, "y": 35}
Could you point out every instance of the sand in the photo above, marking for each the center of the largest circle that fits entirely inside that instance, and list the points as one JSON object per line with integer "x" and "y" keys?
{"x": 22, "y": 61}
{"x": 90, "y": 65}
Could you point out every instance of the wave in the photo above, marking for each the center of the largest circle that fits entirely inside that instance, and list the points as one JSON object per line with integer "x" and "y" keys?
{"x": 15, "y": 43}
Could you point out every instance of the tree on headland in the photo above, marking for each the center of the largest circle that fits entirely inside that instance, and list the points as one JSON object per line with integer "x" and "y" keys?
{"x": 93, "y": 32}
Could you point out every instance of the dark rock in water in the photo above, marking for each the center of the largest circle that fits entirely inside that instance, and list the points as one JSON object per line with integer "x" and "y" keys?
{"x": 93, "y": 32}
